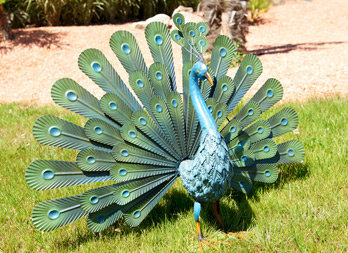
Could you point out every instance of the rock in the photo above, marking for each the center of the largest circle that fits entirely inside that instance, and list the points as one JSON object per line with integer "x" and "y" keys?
{"x": 159, "y": 18}
{"x": 182, "y": 9}
{"x": 189, "y": 17}
{"x": 139, "y": 25}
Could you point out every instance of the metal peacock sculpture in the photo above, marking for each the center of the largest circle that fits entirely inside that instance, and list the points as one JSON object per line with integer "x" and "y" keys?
{"x": 143, "y": 147}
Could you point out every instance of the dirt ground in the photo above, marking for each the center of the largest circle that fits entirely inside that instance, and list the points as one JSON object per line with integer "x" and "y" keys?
{"x": 304, "y": 44}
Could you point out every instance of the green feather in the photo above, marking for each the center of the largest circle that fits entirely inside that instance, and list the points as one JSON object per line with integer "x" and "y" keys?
{"x": 239, "y": 143}
{"x": 222, "y": 55}
{"x": 266, "y": 173}
{"x": 127, "y": 153}
{"x": 231, "y": 130}
{"x": 241, "y": 182}
{"x": 223, "y": 89}
{"x": 205, "y": 86}
{"x": 130, "y": 134}
{"x": 264, "y": 149}
{"x": 160, "y": 110}
{"x": 260, "y": 130}
{"x": 160, "y": 79}
{"x": 132, "y": 190}
{"x": 147, "y": 125}
{"x": 269, "y": 94}
{"x": 50, "y": 130}
{"x": 248, "y": 114}
{"x": 203, "y": 28}
{"x": 158, "y": 39}
{"x": 177, "y": 37}
{"x": 291, "y": 152}
{"x": 243, "y": 158}
{"x": 98, "y": 198}
{"x": 189, "y": 51}
{"x": 115, "y": 108}
{"x": 141, "y": 85}
{"x": 95, "y": 160}
{"x": 99, "y": 131}
{"x": 142, "y": 206}
{"x": 52, "y": 214}
{"x": 126, "y": 48}
{"x": 46, "y": 174}
{"x": 104, "y": 218}
{"x": 94, "y": 64}
{"x": 176, "y": 110}
{"x": 202, "y": 44}
{"x": 123, "y": 172}
{"x": 220, "y": 113}
{"x": 249, "y": 70}
{"x": 179, "y": 21}
{"x": 283, "y": 122}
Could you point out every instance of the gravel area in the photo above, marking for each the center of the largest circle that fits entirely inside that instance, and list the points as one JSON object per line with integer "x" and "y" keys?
{"x": 303, "y": 44}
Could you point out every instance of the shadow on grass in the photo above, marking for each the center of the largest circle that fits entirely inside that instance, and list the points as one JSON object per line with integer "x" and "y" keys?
{"x": 34, "y": 37}
{"x": 291, "y": 47}
{"x": 178, "y": 202}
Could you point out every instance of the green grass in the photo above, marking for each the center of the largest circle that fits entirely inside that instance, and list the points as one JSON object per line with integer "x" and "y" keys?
{"x": 305, "y": 210}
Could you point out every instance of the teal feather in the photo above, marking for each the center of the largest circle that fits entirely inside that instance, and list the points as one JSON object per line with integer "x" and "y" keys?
{"x": 50, "y": 130}
{"x": 104, "y": 218}
{"x": 95, "y": 160}
{"x": 265, "y": 173}
{"x": 242, "y": 182}
{"x": 248, "y": 114}
{"x": 240, "y": 143}
{"x": 158, "y": 39}
{"x": 179, "y": 21}
{"x": 177, "y": 37}
{"x": 203, "y": 28}
{"x": 260, "y": 130}
{"x": 98, "y": 198}
{"x": 264, "y": 149}
{"x": 283, "y": 122}
{"x": 223, "y": 89}
{"x": 140, "y": 83}
{"x": 115, "y": 108}
{"x": 243, "y": 158}
{"x": 160, "y": 79}
{"x": 126, "y": 48}
{"x": 45, "y": 174}
{"x": 94, "y": 64}
{"x": 52, "y": 214}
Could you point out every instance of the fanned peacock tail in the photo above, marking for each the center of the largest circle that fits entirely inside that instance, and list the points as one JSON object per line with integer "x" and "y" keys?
{"x": 138, "y": 146}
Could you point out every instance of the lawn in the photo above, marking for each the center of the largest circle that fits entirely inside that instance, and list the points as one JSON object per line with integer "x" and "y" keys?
{"x": 305, "y": 210}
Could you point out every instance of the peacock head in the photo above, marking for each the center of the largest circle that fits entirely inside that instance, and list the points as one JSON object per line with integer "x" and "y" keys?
{"x": 200, "y": 70}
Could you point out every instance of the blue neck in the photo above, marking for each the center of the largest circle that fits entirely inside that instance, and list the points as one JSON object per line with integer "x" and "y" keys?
{"x": 205, "y": 118}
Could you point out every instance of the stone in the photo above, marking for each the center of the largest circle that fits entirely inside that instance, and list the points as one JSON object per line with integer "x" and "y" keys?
{"x": 139, "y": 25}
{"x": 182, "y": 9}
{"x": 164, "y": 18}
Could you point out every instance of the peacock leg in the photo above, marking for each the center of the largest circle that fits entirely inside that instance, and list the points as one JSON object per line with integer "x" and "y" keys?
{"x": 217, "y": 215}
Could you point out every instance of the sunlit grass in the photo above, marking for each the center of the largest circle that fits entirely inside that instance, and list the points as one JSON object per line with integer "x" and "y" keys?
{"x": 305, "y": 210}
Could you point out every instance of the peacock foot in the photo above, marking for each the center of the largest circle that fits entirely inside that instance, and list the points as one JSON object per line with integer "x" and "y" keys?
{"x": 239, "y": 235}
{"x": 209, "y": 242}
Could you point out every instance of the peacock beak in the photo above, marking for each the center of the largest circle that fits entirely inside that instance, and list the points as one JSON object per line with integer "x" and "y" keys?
{"x": 209, "y": 79}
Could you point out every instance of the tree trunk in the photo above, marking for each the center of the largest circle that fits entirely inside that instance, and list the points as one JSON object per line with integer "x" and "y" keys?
{"x": 4, "y": 25}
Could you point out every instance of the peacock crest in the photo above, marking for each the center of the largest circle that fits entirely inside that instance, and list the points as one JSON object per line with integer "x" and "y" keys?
{"x": 137, "y": 140}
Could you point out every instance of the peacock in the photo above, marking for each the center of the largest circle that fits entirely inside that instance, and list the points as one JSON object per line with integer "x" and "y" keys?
{"x": 142, "y": 140}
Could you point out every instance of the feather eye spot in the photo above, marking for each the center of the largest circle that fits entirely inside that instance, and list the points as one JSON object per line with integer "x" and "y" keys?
{"x": 249, "y": 70}
{"x": 98, "y": 130}
{"x": 53, "y": 214}
{"x": 159, "y": 75}
{"x": 132, "y": 134}
{"x": 177, "y": 37}
{"x": 159, "y": 40}
{"x": 210, "y": 108}
{"x": 54, "y": 131}
{"x": 140, "y": 83}
{"x": 270, "y": 93}
{"x": 224, "y": 87}
{"x": 96, "y": 67}
{"x": 202, "y": 43}
{"x": 71, "y": 95}
{"x": 202, "y": 29}
{"x": 291, "y": 152}
{"x": 125, "y": 48}
{"x": 159, "y": 108}
{"x": 268, "y": 173}
{"x": 244, "y": 158}
{"x": 266, "y": 149}
{"x": 240, "y": 144}
{"x": 260, "y": 130}
{"x": 174, "y": 103}
{"x": 223, "y": 52}
{"x": 284, "y": 121}
{"x": 94, "y": 200}
{"x": 113, "y": 106}
{"x": 122, "y": 172}
{"x": 124, "y": 152}
{"x": 219, "y": 114}
{"x": 179, "y": 21}
{"x": 136, "y": 214}
{"x": 250, "y": 112}
{"x": 125, "y": 193}
{"x": 48, "y": 174}
{"x": 233, "y": 129}
{"x": 142, "y": 121}
{"x": 90, "y": 159}
{"x": 192, "y": 33}
{"x": 241, "y": 184}
{"x": 101, "y": 219}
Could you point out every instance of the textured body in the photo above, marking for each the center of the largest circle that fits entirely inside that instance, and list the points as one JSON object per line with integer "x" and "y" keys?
{"x": 208, "y": 176}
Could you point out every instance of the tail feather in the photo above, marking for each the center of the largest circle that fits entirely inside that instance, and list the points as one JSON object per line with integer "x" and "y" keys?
{"x": 95, "y": 160}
